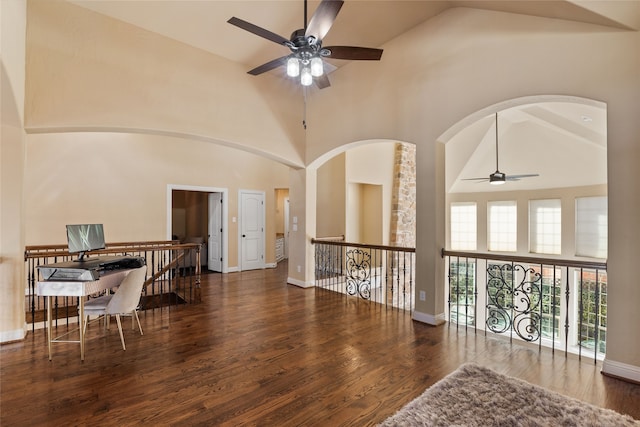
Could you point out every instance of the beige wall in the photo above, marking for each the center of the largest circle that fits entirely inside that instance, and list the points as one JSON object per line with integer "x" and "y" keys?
{"x": 12, "y": 141}
{"x": 331, "y": 198}
{"x": 372, "y": 164}
{"x": 121, "y": 180}
{"x": 364, "y": 214}
{"x": 302, "y": 192}
{"x": 86, "y": 71}
{"x": 463, "y": 61}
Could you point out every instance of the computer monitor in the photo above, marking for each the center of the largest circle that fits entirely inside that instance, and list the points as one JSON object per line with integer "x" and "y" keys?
{"x": 83, "y": 238}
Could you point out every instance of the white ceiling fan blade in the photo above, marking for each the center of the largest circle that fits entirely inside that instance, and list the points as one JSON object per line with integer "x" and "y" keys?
{"x": 518, "y": 177}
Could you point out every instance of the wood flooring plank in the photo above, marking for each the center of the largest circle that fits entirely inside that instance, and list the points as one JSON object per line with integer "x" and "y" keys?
{"x": 260, "y": 352}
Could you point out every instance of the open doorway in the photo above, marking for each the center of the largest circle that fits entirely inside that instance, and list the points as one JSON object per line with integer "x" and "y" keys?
{"x": 199, "y": 215}
{"x": 282, "y": 224}
{"x": 365, "y": 214}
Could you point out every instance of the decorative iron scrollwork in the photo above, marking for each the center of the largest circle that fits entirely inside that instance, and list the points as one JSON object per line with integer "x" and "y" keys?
{"x": 514, "y": 307}
{"x": 358, "y": 273}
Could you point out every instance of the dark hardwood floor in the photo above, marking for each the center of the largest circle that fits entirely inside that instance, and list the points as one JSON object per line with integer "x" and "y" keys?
{"x": 257, "y": 351}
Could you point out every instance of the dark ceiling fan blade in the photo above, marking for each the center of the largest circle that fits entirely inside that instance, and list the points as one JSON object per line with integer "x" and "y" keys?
{"x": 328, "y": 67}
{"x": 268, "y": 66}
{"x": 354, "y": 52}
{"x": 323, "y": 18}
{"x": 259, "y": 31}
{"x": 322, "y": 81}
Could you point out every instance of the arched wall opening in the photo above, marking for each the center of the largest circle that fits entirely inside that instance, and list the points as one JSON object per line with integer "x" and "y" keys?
{"x": 366, "y": 193}
{"x": 559, "y": 145}
{"x": 560, "y": 141}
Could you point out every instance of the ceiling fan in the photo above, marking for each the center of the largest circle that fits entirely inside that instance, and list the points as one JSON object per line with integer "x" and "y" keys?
{"x": 498, "y": 177}
{"x": 307, "y": 52}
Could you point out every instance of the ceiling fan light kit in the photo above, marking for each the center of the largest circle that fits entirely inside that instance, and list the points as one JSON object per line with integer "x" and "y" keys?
{"x": 305, "y": 66}
{"x": 497, "y": 178}
{"x": 307, "y": 53}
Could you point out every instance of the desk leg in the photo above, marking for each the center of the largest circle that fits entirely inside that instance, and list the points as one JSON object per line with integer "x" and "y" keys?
{"x": 81, "y": 323}
{"x": 49, "y": 324}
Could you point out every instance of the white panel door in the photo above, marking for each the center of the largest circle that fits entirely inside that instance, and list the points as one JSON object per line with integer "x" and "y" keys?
{"x": 251, "y": 230}
{"x": 214, "y": 263}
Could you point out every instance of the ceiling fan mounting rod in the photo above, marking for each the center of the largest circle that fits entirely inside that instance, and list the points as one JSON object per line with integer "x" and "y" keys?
{"x": 497, "y": 169}
{"x": 305, "y": 15}
{"x": 498, "y": 177}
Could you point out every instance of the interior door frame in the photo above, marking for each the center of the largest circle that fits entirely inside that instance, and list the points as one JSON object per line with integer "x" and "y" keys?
{"x": 225, "y": 215}
{"x": 286, "y": 227}
{"x": 215, "y": 202}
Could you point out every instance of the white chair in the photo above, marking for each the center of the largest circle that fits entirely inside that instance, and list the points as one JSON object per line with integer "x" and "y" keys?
{"x": 123, "y": 302}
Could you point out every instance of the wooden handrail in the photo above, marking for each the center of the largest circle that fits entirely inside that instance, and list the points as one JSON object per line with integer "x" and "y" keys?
{"x": 362, "y": 245}
{"x": 37, "y": 251}
{"x": 329, "y": 239}
{"x": 526, "y": 259}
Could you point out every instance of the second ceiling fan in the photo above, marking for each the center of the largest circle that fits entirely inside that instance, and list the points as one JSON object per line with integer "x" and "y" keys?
{"x": 307, "y": 52}
{"x": 498, "y": 177}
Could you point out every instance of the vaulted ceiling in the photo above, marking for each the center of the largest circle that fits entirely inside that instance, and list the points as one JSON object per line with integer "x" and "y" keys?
{"x": 565, "y": 143}
{"x": 574, "y": 133}
{"x": 371, "y": 23}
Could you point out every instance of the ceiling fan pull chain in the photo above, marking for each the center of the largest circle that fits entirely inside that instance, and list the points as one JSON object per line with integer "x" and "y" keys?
{"x": 304, "y": 108}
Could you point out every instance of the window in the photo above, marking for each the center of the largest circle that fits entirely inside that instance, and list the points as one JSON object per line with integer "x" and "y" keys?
{"x": 503, "y": 226}
{"x": 463, "y": 226}
{"x": 462, "y": 291}
{"x": 591, "y": 227}
{"x": 591, "y": 307}
{"x": 545, "y": 226}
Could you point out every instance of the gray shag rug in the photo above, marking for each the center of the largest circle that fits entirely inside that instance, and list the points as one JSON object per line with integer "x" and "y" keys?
{"x": 477, "y": 396}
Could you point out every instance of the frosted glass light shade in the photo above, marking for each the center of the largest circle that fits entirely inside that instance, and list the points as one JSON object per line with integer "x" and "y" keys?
{"x": 293, "y": 67}
{"x": 316, "y": 67}
{"x": 305, "y": 77}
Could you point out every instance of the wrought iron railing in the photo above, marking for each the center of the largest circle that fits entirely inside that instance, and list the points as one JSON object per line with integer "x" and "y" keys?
{"x": 557, "y": 303}
{"x": 382, "y": 274}
{"x": 173, "y": 276}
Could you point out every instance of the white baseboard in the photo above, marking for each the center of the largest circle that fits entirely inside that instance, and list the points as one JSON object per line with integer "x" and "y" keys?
{"x": 300, "y": 283}
{"x": 15, "y": 335}
{"x": 429, "y": 319}
{"x": 271, "y": 265}
{"x": 232, "y": 269}
{"x": 621, "y": 370}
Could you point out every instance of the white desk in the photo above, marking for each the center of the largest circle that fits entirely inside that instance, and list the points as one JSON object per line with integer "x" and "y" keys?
{"x": 76, "y": 289}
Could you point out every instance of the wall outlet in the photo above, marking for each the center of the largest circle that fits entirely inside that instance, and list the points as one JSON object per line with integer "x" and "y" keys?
{"x": 299, "y": 269}
{"x": 423, "y": 296}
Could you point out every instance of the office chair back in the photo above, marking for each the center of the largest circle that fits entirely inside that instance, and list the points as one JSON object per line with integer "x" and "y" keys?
{"x": 127, "y": 296}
